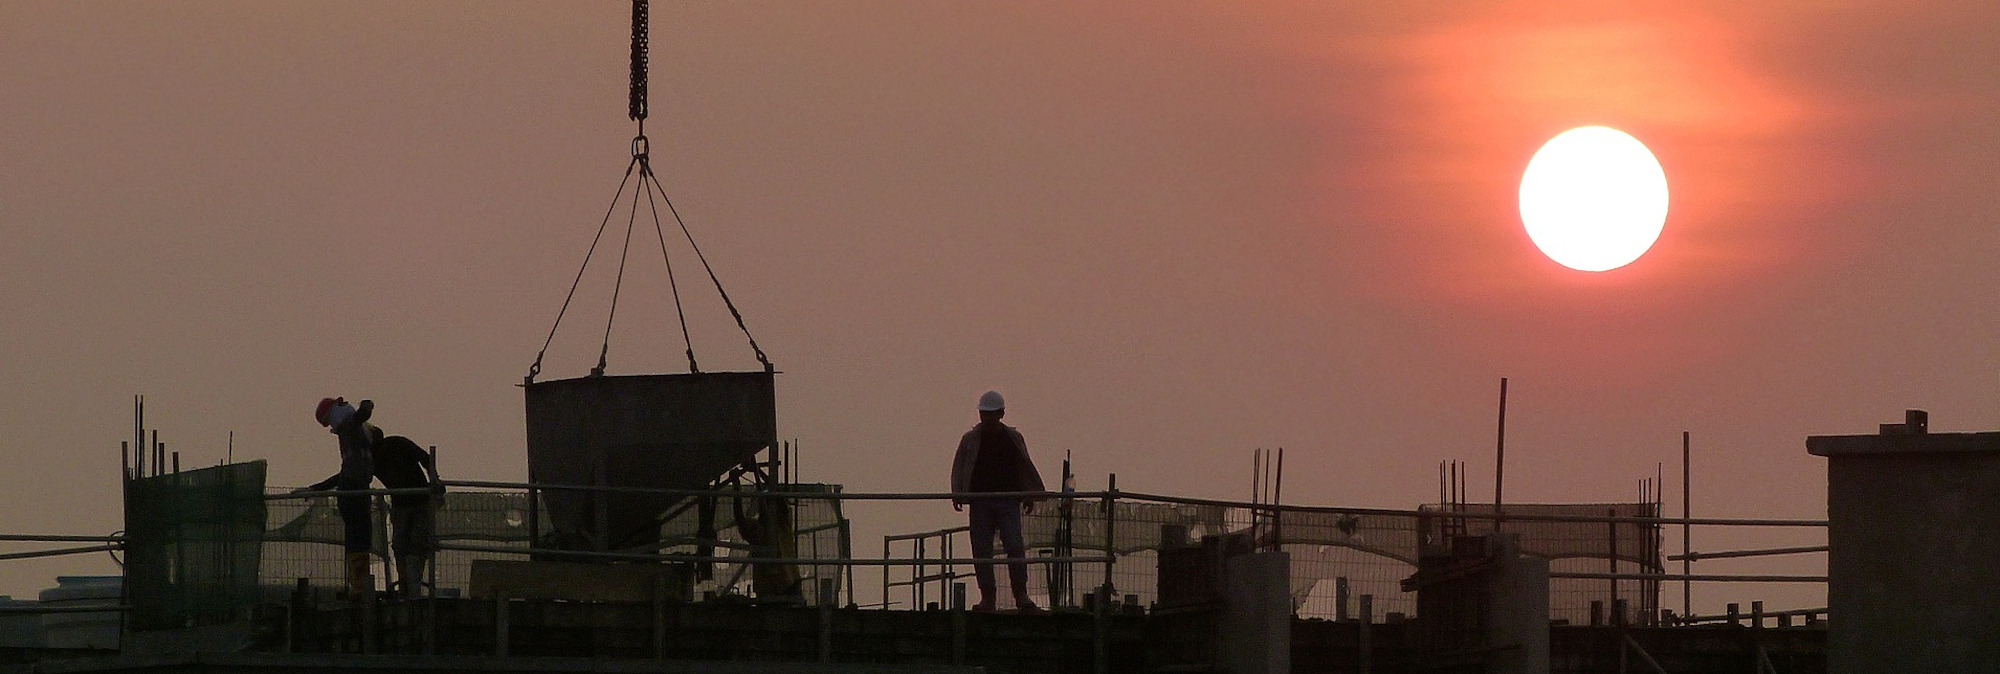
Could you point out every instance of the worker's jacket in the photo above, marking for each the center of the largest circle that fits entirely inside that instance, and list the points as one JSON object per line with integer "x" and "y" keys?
{"x": 968, "y": 456}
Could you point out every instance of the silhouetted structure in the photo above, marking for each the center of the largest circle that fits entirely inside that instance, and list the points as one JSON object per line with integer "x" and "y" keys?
{"x": 1913, "y": 532}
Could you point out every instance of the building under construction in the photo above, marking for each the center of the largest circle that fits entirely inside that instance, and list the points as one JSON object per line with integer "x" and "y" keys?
{"x": 660, "y": 529}
{"x": 613, "y": 556}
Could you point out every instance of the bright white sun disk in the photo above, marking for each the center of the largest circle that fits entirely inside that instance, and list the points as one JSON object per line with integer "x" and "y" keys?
{"x": 1594, "y": 198}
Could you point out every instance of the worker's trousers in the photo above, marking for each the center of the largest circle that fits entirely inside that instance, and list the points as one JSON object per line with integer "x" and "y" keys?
{"x": 358, "y": 532}
{"x": 1002, "y": 516}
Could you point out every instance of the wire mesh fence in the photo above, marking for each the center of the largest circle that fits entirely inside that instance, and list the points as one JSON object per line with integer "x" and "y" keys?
{"x": 1337, "y": 554}
{"x": 303, "y": 538}
{"x": 1079, "y": 545}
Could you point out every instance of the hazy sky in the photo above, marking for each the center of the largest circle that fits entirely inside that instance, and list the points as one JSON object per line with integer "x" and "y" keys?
{"x": 1170, "y": 232}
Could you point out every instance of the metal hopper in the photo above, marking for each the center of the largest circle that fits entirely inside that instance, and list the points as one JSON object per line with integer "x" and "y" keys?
{"x": 672, "y": 431}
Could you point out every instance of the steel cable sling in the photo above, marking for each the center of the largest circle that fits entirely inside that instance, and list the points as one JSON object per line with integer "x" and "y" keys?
{"x": 650, "y": 185}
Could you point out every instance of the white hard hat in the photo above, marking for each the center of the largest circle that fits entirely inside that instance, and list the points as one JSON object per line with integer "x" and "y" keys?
{"x": 991, "y": 401}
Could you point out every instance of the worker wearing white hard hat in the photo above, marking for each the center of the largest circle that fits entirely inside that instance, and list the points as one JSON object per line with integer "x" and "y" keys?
{"x": 993, "y": 458}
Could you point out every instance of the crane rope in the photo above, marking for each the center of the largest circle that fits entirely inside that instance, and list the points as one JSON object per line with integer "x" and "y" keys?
{"x": 761, "y": 358}
{"x": 536, "y": 368}
{"x": 646, "y": 176}
{"x": 650, "y": 185}
{"x": 618, "y": 285}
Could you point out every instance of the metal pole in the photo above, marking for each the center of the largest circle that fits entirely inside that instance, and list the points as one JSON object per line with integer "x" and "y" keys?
{"x": 1500, "y": 458}
{"x": 1110, "y": 541}
{"x": 1612, "y": 528}
{"x": 847, "y": 550}
{"x": 1277, "y": 496}
{"x": 1687, "y": 537}
{"x": 1061, "y": 594}
{"x": 1101, "y": 658}
{"x": 1256, "y": 492}
{"x": 431, "y": 603}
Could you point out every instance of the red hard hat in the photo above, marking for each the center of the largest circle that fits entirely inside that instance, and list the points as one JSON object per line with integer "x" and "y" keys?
{"x": 319, "y": 413}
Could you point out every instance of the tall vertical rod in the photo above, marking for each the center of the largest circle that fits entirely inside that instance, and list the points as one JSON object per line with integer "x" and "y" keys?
{"x": 1277, "y": 497}
{"x": 1611, "y": 529}
{"x": 1500, "y": 460}
{"x": 1457, "y": 494}
{"x": 1687, "y": 537}
{"x": 1110, "y": 539}
{"x": 1278, "y": 482}
{"x": 1256, "y": 491}
{"x": 139, "y": 445}
{"x": 1256, "y": 474}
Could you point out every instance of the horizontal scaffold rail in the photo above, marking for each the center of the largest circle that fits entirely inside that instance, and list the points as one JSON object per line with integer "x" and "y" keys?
{"x": 1694, "y": 577}
{"x": 36, "y": 554}
{"x": 1127, "y": 496}
{"x": 323, "y": 493}
{"x": 947, "y": 531}
{"x": 802, "y": 495}
{"x": 1761, "y": 552}
{"x": 10, "y": 610}
{"x": 644, "y": 557}
{"x": 1522, "y": 517}
{"x": 58, "y": 538}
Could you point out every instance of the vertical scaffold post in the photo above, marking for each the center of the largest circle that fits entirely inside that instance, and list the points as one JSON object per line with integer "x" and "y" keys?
{"x": 1612, "y": 541}
{"x": 957, "y": 623}
{"x": 1687, "y": 538}
{"x": 824, "y": 597}
{"x": 1500, "y": 461}
{"x": 847, "y": 552}
{"x": 430, "y": 562}
{"x": 1110, "y": 534}
{"x": 1365, "y": 643}
{"x": 1101, "y": 655}
{"x": 534, "y": 514}
{"x": 500, "y": 622}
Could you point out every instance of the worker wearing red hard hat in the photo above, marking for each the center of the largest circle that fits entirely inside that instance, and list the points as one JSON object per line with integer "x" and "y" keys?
{"x": 357, "y": 470}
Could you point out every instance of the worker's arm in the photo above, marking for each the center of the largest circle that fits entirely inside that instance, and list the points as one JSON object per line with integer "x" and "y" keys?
{"x": 430, "y": 466}
{"x": 323, "y": 485}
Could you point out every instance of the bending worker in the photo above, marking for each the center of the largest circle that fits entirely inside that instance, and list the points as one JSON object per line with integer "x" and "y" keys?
{"x": 993, "y": 457}
{"x": 401, "y": 464}
{"x": 357, "y": 469}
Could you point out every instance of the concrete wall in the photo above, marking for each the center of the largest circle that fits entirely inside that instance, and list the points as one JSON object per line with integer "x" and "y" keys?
{"x": 1914, "y": 532}
{"x": 1257, "y": 613}
{"x": 1518, "y": 615}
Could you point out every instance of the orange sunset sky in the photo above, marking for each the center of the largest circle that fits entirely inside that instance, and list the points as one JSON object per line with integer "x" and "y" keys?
{"x": 1170, "y": 232}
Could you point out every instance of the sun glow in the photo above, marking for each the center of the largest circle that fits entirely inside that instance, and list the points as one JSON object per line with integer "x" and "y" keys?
{"x": 1594, "y": 198}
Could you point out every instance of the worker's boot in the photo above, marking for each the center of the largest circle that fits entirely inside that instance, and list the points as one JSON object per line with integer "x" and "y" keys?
{"x": 410, "y": 575}
{"x": 359, "y": 580}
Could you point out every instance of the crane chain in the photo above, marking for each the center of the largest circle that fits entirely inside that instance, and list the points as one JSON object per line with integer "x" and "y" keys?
{"x": 637, "y": 107}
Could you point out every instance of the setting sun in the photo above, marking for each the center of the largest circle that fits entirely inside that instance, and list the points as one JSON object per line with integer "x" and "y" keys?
{"x": 1594, "y": 198}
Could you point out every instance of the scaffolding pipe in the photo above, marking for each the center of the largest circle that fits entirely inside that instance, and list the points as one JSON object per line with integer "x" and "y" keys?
{"x": 1762, "y": 552}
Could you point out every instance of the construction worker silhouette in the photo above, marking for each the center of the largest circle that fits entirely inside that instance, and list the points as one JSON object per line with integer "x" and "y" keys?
{"x": 357, "y": 470}
{"x": 993, "y": 457}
